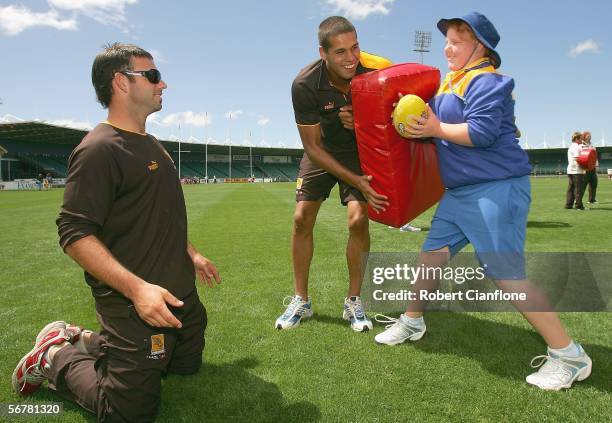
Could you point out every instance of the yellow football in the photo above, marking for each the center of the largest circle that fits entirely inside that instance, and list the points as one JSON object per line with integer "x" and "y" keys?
{"x": 408, "y": 105}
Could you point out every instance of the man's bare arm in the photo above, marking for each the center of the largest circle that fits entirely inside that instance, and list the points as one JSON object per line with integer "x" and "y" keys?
{"x": 149, "y": 299}
{"x": 206, "y": 269}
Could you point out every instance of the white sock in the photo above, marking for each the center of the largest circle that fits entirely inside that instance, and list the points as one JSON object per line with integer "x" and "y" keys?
{"x": 53, "y": 349}
{"x": 418, "y": 322}
{"x": 80, "y": 344}
{"x": 572, "y": 350}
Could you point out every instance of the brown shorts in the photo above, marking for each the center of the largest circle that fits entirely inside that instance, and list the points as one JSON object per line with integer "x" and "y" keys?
{"x": 314, "y": 183}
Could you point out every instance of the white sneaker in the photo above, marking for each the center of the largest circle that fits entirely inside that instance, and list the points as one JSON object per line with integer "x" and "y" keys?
{"x": 398, "y": 331}
{"x": 408, "y": 227}
{"x": 353, "y": 312}
{"x": 297, "y": 309}
{"x": 559, "y": 372}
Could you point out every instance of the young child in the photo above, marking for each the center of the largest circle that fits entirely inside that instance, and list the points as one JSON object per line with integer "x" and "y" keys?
{"x": 486, "y": 203}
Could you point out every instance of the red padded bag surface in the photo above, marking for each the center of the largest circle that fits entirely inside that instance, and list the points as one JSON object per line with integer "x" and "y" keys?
{"x": 406, "y": 171}
{"x": 587, "y": 159}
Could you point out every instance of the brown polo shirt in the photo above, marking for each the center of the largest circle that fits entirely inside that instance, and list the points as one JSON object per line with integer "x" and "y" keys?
{"x": 123, "y": 188}
{"x": 316, "y": 101}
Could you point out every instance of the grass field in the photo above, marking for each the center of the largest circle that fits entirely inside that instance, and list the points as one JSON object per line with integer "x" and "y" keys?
{"x": 469, "y": 366}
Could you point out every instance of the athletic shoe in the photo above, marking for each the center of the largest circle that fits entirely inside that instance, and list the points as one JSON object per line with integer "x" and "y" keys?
{"x": 409, "y": 228}
{"x": 398, "y": 331}
{"x": 353, "y": 312}
{"x": 31, "y": 371}
{"x": 297, "y": 310}
{"x": 559, "y": 372}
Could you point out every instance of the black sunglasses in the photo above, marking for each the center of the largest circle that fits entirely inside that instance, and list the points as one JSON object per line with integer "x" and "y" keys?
{"x": 152, "y": 75}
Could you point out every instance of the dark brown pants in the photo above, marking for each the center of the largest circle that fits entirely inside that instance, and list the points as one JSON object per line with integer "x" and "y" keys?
{"x": 120, "y": 379}
{"x": 575, "y": 191}
{"x": 590, "y": 180}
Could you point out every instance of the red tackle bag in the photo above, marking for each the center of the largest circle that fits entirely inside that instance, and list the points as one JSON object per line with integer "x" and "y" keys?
{"x": 587, "y": 159}
{"x": 406, "y": 171}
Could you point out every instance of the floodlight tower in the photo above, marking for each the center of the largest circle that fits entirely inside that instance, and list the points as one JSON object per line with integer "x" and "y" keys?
{"x": 206, "y": 150}
{"x": 179, "y": 151}
{"x": 422, "y": 42}
{"x": 230, "y": 115}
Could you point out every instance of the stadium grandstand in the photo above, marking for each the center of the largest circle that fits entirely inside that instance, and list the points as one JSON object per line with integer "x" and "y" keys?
{"x": 28, "y": 149}
{"x": 553, "y": 161}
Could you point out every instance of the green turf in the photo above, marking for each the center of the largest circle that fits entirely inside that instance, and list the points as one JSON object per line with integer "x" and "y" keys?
{"x": 468, "y": 367}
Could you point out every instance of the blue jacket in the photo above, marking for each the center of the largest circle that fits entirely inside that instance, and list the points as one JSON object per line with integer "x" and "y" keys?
{"x": 481, "y": 97}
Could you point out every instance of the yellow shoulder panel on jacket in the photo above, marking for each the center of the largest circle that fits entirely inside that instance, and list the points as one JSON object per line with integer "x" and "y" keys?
{"x": 460, "y": 80}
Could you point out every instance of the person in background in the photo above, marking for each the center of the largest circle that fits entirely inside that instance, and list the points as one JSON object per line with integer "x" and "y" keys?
{"x": 39, "y": 181}
{"x": 590, "y": 176}
{"x": 575, "y": 174}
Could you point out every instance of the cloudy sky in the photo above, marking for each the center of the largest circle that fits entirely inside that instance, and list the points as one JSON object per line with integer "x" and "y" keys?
{"x": 229, "y": 64}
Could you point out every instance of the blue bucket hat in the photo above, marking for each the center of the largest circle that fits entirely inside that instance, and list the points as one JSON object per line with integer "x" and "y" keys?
{"x": 483, "y": 29}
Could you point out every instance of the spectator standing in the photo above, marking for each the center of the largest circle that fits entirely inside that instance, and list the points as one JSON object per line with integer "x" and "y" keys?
{"x": 575, "y": 174}
{"x": 590, "y": 177}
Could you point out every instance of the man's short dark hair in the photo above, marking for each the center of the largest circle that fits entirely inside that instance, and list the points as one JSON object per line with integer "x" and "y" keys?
{"x": 332, "y": 26}
{"x": 115, "y": 58}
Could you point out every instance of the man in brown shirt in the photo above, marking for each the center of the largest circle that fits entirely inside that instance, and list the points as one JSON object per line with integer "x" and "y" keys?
{"x": 323, "y": 113}
{"x": 124, "y": 221}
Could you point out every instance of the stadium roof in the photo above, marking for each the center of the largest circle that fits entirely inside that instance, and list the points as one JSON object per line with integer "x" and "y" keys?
{"x": 39, "y": 132}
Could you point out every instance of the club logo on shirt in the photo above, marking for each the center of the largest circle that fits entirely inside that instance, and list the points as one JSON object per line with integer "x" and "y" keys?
{"x": 153, "y": 165}
{"x": 329, "y": 106}
{"x": 158, "y": 349}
